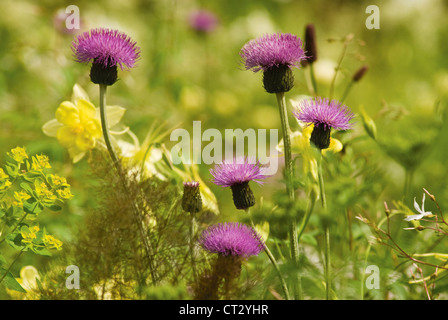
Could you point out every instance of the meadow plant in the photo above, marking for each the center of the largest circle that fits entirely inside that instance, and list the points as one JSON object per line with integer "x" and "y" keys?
{"x": 28, "y": 189}
{"x": 153, "y": 229}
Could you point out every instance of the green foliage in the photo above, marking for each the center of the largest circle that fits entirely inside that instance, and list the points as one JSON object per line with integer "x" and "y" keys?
{"x": 27, "y": 189}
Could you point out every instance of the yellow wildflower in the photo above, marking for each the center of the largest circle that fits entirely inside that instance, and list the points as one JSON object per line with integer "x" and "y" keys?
{"x": 40, "y": 162}
{"x": 29, "y": 234}
{"x": 3, "y": 175}
{"x": 4, "y": 180}
{"x": 78, "y": 126}
{"x": 57, "y": 180}
{"x": 64, "y": 193}
{"x": 19, "y": 198}
{"x": 18, "y": 154}
{"x": 44, "y": 193}
{"x": 51, "y": 242}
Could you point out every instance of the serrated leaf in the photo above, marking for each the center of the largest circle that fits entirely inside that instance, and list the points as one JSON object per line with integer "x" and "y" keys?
{"x": 10, "y": 282}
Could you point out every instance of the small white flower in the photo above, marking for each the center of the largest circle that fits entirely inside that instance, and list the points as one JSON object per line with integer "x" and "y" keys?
{"x": 421, "y": 210}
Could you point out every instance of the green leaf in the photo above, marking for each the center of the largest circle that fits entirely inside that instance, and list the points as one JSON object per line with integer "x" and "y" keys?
{"x": 10, "y": 282}
{"x": 26, "y": 187}
{"x": 54, "y": 207}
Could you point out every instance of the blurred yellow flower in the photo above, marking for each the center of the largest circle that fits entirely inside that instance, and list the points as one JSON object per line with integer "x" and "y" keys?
{"x": 28, "y": 281}
{"x": 78, "y": 126}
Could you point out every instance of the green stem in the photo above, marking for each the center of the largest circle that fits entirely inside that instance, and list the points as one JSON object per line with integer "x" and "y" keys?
{"x": 192, "y": 236}
{"x": 116, "y": 163}
{"x": 274, "y": 262}
{"x": 10, "y": 266}
{"x": 347, "y": 90}
{"x": 294, "y": 245}
{"x": 313, "y": 79}
{"x": 21, "y": 219}
{"x": 306, "y": 218}
{"x": 327, "y": 231}
{"x": 338, "y": 67}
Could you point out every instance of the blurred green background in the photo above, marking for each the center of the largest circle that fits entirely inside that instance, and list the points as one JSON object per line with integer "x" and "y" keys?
{"x": 184, "y": 76}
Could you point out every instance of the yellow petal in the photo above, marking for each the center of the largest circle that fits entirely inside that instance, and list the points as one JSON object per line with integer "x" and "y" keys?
{"x": 85, "y": 141}
{"x": 114, "y": 115}
{"x": 93, "y": 127}
{"x": 335, "y": 145}
{"x": 28, "y": 274}
{"x": 87, "y": 110}
{"x": 76, "y": 154}
{"x": 79, "y": 93}
{"x": 67, "y": 113}
{"x": 66, "y": 136}
{"x": 51, "y": 127}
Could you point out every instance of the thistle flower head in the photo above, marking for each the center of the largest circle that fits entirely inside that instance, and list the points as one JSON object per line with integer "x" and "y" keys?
{"x": 232, "y": 239}
{"x": 107, "y": 47}
{"x": 324, "y": 115}
{"x": 237, "y": 171}
{"x": 322, "y": 112}
{"x": 273, "y": 50}
{"x": 203, "y": 21}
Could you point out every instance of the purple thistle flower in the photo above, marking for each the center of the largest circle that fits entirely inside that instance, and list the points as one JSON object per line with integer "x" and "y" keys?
{"x": 324, "y": 115}
{"x": 232, "y": 238}
{"x": 276, "y": 55}
{"x": 274, "y": 50}
{"x": 106, "y": 47}
{"x": 322, "y": 112}
{"x": 237, "y": 171}
{"x": 203, "y": 21}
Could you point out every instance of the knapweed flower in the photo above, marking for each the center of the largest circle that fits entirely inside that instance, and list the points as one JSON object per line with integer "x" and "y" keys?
{"x": 78, "y": 126}
{"x": 237, "y": 174}
{"x": 106, "y": 49}
{"x": 275, "y": 55}
{"x": 232, "y": 238}
{"x": 324, "y": 115}
{"x": 191, "y": 200}
{"x": 203, "y": 21}
{"x": 420, "y": 210}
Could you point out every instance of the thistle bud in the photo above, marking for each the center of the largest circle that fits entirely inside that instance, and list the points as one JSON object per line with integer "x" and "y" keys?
{"x": 310, "y": 45}
{"x": 360, "y": 73}
{"x": 191, "y": 200}
{"x": 369, "y": 124}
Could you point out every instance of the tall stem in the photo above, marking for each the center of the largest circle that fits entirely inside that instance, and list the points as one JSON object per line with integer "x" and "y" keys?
{"x": 192, "y": 236}
{"x": 110, "y": 149}
{"x": 294, "y": 245}
{"x": 326, "y": 232}
{"x": 274, "y": 262}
